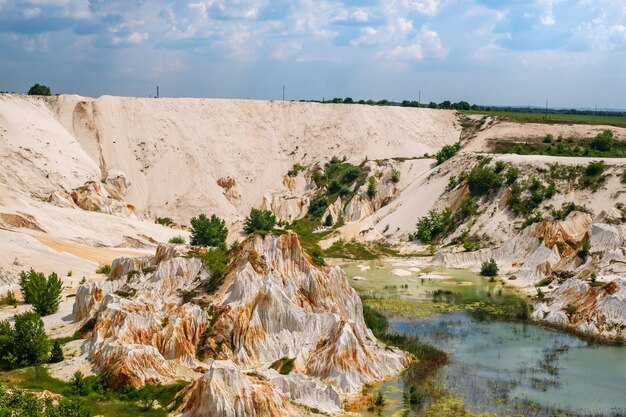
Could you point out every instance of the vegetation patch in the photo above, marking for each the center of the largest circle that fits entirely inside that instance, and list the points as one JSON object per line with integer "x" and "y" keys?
{"x": 207, "y": 231}
{"x": 447, "y": 152}
{"x": 259, "y": 221}
{"x": 602, "y": 145}
{"x": 284, "y": 365}
{"x": 43, "y": 293}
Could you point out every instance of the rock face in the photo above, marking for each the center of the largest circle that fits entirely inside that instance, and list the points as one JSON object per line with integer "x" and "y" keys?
{"x": 272, "y": 304}
{"x": 594, "y": 311}
{"x": 533, "y": 253}
{"x": 104, "y": 198}
{"x": 550, "y": 250}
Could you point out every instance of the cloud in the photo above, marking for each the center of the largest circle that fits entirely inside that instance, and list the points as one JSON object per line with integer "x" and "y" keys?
{"x": 31, "y": 13}
{"x": 360, "y": 15}
{"x": 407, "y": 53}
{"x": 286, "y": 50}
{"x": 137, "y": 37}
{"x": 431, "y": 40}
{"x": 427, "y": 7}
{"x": 546, "y": 17}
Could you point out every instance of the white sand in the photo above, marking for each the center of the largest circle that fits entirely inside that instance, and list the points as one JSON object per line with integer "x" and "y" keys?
{"x": 401, "y": 273}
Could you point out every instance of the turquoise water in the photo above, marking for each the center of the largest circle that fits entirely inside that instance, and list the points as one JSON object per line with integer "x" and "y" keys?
{"x": 509, "y": 368}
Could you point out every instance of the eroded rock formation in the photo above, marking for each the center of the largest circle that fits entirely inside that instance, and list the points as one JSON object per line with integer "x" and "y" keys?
{"x": 153, "y": 322}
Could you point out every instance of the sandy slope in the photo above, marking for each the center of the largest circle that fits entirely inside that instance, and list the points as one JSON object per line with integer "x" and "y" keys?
{"x": 175, "y": 150}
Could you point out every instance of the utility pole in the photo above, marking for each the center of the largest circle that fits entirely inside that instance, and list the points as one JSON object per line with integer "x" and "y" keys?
{"x": 546, "y": 109}
{"x": 283, "y": 92}
{"x": 419, "y": 99}
{"x": 157, "y": 96}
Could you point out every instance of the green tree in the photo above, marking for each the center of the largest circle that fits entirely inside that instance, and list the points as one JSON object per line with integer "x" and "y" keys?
{"x": 371, "y": 187}
{"x": 7, "y": 345}
{"x": 489, "y": 268}
{"x": 259, "y": 221}
{"x": 56, "y": 353}
{"x": 78, "y": 384}
{"x": 39, "y": 90}
{"x": 329, "y": 220}
{"x": 31, "y": 342}
{"x": 44, "y": 294}
{"x": 208, "y": 231}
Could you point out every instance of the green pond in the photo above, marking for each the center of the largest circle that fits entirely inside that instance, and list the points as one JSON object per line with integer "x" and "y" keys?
{"x": 509, "y": 368}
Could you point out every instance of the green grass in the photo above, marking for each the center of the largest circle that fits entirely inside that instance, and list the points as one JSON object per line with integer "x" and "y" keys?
{"x": 565, "y": 147}
{"x": 104, "y": 269}
{"x": 106, "y": 402}
{"x": 555, "y": 118}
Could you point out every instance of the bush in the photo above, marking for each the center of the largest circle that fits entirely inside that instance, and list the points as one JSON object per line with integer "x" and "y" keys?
{"x": 9, "y": 299}
{"x": 216, "y": 262}
{"x": 566, "y": 209}
{"x": 512, "y": 174}
{"x": 594, "y": 168}
{"x": 499, "y": 167}
{"x": 39, "y": 90}
{"x": 433, "y": 224}
{"x": 482, "y": 179}
{"x": 293, "y": 172}
{"x": 583, "y": 252}
{"x": 78, "y": 384}
{"x": 56, "y": 353}
{"x": 104, "y": 269}
{"x": 447, "y": 152}
{"x": 177, "y": 240}
{"x": 328, "y": 222}
{"x": 259, "y": 221}
{"x": 163, "y": 221}
{"x": 489, "y": 268}
{"x": 16, "y": 402}
{"x": 207, "y": 231}
{"x": 334, "y": 187}
{"x": 533, "y": 218}
{"x": 592, "y": 175}
{"x": 377, "y": 401}
{"x": 395, "y": 176}
{"x": 318, "y": 207}
{"x": 44, "y": 294}
{"x": 603, "y": 141}
{"x": 371, "y": 187}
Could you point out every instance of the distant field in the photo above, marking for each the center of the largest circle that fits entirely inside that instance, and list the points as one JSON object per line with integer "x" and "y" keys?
{"x": 530, "y": 117}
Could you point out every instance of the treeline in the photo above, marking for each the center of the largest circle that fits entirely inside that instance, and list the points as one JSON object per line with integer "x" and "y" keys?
{"x": 447, "y": 104}
{"x": 465, "y": 106}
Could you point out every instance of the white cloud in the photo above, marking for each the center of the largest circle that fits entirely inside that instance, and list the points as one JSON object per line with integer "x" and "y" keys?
{"x": 137, "y": 37}
{"x": 405, "y": 25}
{"x": 431, "y": 39}
{"x": 360, "y": 15}
{"x": 412, "y": 52}
{"x": 546, "y": 17}
{"x": 286, "y": 50}
{"x": 32, "y": 13}
{"x": 427, "y": 7}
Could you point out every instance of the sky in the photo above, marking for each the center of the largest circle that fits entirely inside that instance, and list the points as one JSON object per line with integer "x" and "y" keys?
{"x": 506, "y": 52}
